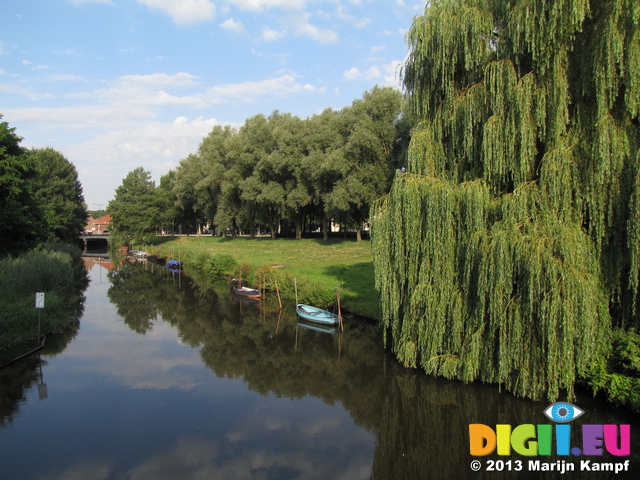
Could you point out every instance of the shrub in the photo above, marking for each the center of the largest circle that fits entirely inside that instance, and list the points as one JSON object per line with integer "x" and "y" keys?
{"x": 619, "y": 378}
{"x": 219, "y": 265}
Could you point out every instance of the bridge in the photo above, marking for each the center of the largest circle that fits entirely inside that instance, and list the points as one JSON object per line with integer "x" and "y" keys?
{"x": 98, "y": 240}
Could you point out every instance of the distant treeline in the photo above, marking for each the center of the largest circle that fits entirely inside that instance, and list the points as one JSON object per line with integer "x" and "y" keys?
{"x": 275, "y": 174}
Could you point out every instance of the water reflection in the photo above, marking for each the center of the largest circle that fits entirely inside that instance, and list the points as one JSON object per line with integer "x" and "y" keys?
{"x": 170, "y": 377}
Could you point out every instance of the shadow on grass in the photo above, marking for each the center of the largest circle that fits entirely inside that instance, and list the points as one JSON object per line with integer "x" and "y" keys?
{"x": 335, "y": 241}
{"x": 160, "y": 239}
{"x": 357, "y": 282}
{"x": 318, "y": 241}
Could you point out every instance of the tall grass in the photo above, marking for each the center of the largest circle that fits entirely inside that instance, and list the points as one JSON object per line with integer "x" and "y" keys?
{"x": 49, "y": 269}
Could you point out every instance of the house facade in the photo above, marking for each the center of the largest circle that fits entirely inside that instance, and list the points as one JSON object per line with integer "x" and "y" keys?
{"x": 97, "y": 226}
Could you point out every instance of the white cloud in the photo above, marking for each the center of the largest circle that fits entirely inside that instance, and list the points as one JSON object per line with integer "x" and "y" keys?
{"x": 80, "y": 2}
{"x": 359, "y": 23}
{"x": 65, "y": 77}
{"x": 17, "y": 89}
{"x": 184, "y": 12}
{"x": 158, "y": 145}
{"x": 387, "y": 74}
{"x": 30, "y": 64}
{"x": 233, "y": 26}
{"x": 372, "y": 73}
{"x": 258, "y": 5}
{"x": 270, "y": 35}
{"x": 68, "y": 51}
{"x": 352, "y": 73}
{"x": 159, "y": 80}
{"x": 300, "y": 27}
{"x": 250, "y": 91}
{"x": 322, "y": 14}
{"x": 151, "y": 91}
{"x": 392, "y": 74}
{"x": 6, "y": 48}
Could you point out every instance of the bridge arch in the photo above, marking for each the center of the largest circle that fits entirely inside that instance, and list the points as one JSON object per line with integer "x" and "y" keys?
{"x": 97, "y": 241}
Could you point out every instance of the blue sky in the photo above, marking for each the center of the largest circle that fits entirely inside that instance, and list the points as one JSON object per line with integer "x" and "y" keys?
{"x": 118, "y": 84}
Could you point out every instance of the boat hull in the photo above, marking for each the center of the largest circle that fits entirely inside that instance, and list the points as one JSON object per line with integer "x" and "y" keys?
{"x": 317, "y": 315}
{"x": 246, "y": 292}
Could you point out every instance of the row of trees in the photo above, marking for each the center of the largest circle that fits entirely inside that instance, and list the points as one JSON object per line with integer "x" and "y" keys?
{"x": 40, "y": 196}
{"x": 276, "y": 172}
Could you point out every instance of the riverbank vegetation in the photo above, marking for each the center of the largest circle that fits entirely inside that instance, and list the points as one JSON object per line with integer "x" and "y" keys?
{"x": 42, "y": 212}
{"x": 54, "y": 269}
{"x": 318, "y": 267}
{"x": 510, "y": 250}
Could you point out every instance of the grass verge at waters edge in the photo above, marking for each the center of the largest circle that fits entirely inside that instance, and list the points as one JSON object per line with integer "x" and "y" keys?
{"x": 318, "y": 266}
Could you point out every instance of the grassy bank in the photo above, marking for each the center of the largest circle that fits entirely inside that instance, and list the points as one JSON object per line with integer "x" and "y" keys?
{"x": 53, "y": 270}
{"x": 317, "y": 265}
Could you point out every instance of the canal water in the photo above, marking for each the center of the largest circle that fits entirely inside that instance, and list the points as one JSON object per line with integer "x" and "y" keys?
{"x": 168, "y": 377}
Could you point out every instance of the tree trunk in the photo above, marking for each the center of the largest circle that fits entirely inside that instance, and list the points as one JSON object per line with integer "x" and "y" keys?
{"x": 274, "y": 231}
{"x": 359, "y": 235}
{"x": 325, "y": 229}
{"x": 298, "y": 229}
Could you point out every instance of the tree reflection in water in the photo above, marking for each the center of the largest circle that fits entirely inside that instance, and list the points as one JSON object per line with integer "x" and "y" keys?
{"x": 318, "y": 405}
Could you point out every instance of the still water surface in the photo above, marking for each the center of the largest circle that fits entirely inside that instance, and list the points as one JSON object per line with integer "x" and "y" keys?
{"x": 167, "y": 378}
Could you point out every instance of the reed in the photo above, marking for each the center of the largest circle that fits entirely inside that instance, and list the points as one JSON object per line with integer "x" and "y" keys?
{"x": 49, "y": 270}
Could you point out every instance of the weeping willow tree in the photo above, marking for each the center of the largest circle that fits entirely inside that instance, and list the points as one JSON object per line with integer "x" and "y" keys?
{"x": 511, "y": 246}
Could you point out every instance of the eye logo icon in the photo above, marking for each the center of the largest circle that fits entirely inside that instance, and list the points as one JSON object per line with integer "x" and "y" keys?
{"x": 563, "y": 412}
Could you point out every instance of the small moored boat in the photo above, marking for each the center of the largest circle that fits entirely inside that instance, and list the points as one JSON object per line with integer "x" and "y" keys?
{"x": 174, "y": 264}
{"x": 317, "y": 315}
{"x": 246, "y": 292}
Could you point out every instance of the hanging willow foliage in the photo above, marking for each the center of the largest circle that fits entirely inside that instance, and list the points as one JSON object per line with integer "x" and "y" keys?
{"x": 512, "y": 244}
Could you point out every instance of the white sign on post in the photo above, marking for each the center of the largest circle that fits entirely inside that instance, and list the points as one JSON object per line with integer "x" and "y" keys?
{"x": 40, "y": 300}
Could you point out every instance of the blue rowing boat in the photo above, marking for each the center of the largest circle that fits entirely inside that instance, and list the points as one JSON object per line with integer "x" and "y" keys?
{"x": 317, "y": 315}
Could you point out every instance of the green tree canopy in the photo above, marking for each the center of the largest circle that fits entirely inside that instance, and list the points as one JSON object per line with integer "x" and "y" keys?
{"x": 19, "y": 212}
{"x": 284, "y": 172}
{"x": 512, "y": 243}
{"x": 134, "y": 209}
{"x": 365, "y": 163}
{"x": 170, "y": 209}
{"x": 59, "y": 193}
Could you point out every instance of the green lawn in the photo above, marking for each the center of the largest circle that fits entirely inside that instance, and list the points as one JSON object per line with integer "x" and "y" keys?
{"x": 317, "y": 265}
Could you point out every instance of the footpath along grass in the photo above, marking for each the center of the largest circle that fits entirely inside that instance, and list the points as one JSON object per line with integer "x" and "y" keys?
{"x": 317, "y": 265}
